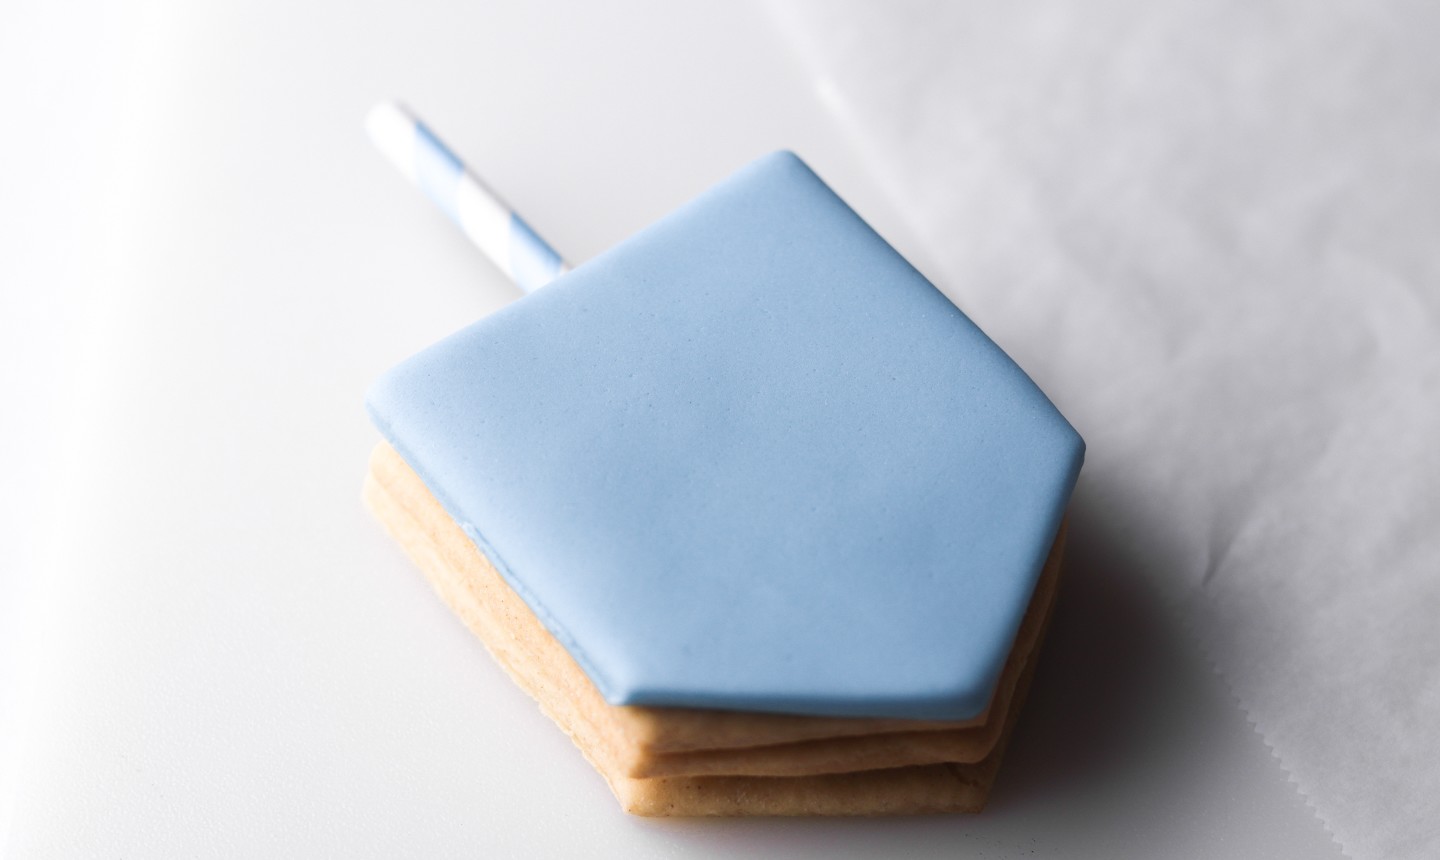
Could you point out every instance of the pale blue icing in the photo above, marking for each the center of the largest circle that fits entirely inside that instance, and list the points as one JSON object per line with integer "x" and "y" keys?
{"x": 749, "y": 459}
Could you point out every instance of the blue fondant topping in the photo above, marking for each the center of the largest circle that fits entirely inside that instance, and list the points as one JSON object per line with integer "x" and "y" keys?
{"x": 749, "y": 459}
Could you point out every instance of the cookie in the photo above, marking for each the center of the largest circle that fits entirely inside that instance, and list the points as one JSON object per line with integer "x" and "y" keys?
{"x": 759, "y": 516}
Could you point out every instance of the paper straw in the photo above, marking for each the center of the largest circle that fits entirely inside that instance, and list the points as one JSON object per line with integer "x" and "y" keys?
{"x": 428, "y": 163}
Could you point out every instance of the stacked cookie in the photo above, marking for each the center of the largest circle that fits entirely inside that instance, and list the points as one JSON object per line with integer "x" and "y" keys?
{"x": 685, "y": 762}
{"x": 752, "y": 510}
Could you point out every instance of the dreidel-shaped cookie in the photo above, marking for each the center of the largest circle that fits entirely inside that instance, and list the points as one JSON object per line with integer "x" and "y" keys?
{"x": 764, "y": 522}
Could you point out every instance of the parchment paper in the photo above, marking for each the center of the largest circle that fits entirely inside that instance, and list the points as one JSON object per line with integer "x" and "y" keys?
{"x": 1211, "y": 232}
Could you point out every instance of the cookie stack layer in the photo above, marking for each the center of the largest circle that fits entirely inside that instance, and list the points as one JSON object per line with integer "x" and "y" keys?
{"x": 686, "y": 762}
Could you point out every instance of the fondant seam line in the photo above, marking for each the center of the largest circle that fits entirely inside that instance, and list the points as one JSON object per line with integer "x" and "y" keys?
{"x": 546, "y": 618}
{"x": 488, "y": 550}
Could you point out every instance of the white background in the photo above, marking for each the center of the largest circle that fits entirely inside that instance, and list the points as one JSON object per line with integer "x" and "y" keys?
{"x": 209, "y": 649}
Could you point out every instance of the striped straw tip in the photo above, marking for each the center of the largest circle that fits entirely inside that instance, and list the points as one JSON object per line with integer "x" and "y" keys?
{"x": 429, "y": 164}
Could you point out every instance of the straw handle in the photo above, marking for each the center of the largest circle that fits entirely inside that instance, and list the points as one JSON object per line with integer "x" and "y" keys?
{"x": 428, "y": 163}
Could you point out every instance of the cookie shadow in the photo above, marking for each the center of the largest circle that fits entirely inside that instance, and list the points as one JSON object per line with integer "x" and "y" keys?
{"x": 1109, "y": 662}
{"x": 1113, "y": 668}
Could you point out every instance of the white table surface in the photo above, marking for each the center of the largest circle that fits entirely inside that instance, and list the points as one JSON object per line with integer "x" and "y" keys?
{"x": 212, "y": 651}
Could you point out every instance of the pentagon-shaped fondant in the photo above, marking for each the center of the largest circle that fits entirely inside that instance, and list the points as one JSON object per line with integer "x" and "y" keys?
{"x": 749, "y": 459}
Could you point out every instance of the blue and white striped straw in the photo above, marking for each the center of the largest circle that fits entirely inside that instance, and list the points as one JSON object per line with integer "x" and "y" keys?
{"x": 428, "y": 163}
